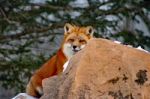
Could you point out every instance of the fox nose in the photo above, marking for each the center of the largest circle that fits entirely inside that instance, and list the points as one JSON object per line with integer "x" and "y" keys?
{"x": 74, "y": 47}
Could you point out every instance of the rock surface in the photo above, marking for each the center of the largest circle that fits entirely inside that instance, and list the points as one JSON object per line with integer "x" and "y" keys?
{"x": 102, "y": 70}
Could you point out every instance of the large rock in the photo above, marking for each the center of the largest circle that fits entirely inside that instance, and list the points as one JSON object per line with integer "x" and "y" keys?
{"x": 103, "y": 70}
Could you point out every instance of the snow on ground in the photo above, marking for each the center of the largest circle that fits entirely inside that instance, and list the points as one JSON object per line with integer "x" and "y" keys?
{"x": 23, "y": 96}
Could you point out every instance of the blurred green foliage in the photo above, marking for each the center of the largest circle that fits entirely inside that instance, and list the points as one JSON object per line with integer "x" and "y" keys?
{"x": 25, "y": 25}
{"x": 16, "y": 73}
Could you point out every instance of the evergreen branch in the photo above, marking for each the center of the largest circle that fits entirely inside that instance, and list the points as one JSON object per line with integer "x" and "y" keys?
{"x": 31, "y": 31}
{"x": 145, "y": 19}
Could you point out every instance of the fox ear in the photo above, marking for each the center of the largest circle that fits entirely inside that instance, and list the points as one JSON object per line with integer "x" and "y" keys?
{"x": 67, "y": 28}
{"x": 90, "y": 30}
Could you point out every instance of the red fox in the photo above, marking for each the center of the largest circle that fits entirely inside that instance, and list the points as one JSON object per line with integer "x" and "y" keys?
{"x": 75, "y": 39}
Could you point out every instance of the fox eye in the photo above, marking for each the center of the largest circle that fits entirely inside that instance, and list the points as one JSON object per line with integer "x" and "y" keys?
{"x": 82, "y": 41}
{"x": 71, "y": 40}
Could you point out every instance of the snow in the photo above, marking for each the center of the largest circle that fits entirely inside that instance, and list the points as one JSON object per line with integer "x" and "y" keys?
{"x": 111, "y": 18}
{"x": 65, "y": 65}
{"x": 74, "y": 14}
{"x": 38, "y": 1}
{"x": 106, "y": 7}
{"x": 79, "y": 3}
{"x": 52, "y": 17}
{"x": 140, "y": 48}
{"x": 23, "y": 96}
{"x": 140, "y": 25}
{"x": 118, "y": 42}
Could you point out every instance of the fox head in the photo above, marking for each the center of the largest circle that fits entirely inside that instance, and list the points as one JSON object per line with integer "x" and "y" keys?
{"x": 75, "y": 38}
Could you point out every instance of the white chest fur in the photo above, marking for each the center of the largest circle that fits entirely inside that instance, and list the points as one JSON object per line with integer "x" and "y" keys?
{"x": 65, "y": 65}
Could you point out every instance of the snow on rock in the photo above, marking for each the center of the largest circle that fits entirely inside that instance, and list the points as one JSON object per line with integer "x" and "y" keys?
{"x": 118, "y": 42}
{"x": 140, "y": 48}
{"x": 23, "y": 96}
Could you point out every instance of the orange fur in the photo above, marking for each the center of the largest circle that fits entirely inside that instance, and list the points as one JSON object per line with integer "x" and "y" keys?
{"x": 73, "y": 36}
